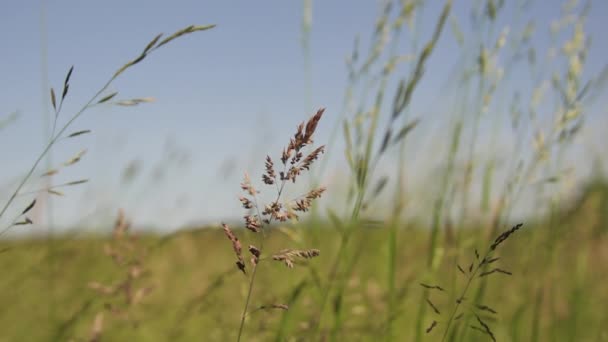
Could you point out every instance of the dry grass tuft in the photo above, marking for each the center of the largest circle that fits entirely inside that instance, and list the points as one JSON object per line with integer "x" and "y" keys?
{"x": 259, "y": 217}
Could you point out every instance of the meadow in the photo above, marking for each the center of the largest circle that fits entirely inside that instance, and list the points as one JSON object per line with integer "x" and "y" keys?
{"x": 494, "y": 245}
{"x": 556, "y": 292}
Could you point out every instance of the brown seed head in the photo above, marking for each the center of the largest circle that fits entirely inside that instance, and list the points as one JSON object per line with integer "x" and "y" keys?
{"x": 311, "y": 125}
{"x": 287, "y": 256}
{"x": 270, "y": 176}
{"x": 235, "y": 241}
{"x": 246, "y": 185}
{"x": 254, "y": 250}
{"x": 252, "y": 223}
{"x": 247, "y": 204}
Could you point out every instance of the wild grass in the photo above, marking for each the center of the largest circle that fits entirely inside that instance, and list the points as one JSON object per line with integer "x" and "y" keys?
{"x": 486, "y": 61}
{"x": 58, "y": 133}
{"x": 383, "y": 268}
{"x": 121, "y": 295}
{"x": 100, "y": 97}
{"x": 295, "y": 162}
{"x": 196, "y": 297}
{"x": 478, "y": 268}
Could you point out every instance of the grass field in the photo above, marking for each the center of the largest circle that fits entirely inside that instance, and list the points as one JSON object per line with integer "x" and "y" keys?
{"x": 556, "y": 293}
{"x": 491, "y": 243}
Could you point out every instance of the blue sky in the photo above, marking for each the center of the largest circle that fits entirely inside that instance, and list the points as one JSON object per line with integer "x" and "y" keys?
{"x": 224, "y": 97}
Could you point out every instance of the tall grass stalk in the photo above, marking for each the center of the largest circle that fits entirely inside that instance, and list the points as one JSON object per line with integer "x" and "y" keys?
{"x": 294, "y": 162}
{"x": 438, "y": 208}
{"x": 396, "y": 216}
{"x": 96, "y": 99}
{"x": 364, "y": 161}
{"x": 567, "y": 114}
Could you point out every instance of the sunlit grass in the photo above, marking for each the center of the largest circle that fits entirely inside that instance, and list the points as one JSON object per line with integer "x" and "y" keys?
{"x": 197, "y": 294}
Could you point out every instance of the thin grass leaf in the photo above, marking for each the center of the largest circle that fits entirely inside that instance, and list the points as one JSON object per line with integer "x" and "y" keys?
{"x": 398, "y": 97}
{"x": 107, "y": 97}
{"x": 487, "y": 186}
{"x": 380, "y": 186}
{"x": 432, "y": 287}
{"x": 53, "y": 99}
{"x": 349, "y": 144}
{"x": 75, "y": 134}
{"x": 129, "y": 64}
{"x": 458, "y": 35}
{"x": 66, "y": 83}
{"x": 81, "y": 181}
{"x": 419, "y": 69}
{"x": 67, "y": 77}
{"x": 134, "y": 102}
{"x": 433, "y": 306}
{"x": 496, "y": 270}
{"x": 477, "y": 328}
{"x": 29, "y": 207}
{"x": 385, "y": 140}
{"x": 50, "y": 173}
{"x": 491, "y": 10}
{"x": 505, "y": 235}
{"x": 75, "y": 159}
{"x": 486, "y": 328}
{"x": 405, "y": 130}
{"x": 489, "y": 261}
{"x": 431, "y": 327}
{"x": 65, "y": 92}
{"x": 26, "y": 221}
{"x": 152, "y": 43}
{"x": 486, "y": 308}
{"x": 460, "y": 269}
{"x": 361, "y": 172}
{"x": 284, "y": 307}
{"x": 54, "y": 192}
{"x": 187, "y": 30}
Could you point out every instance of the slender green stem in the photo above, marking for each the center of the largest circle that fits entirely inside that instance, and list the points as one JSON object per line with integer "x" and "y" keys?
{"x": 244, "y": 315}
{"x": 333, "y": 273}
{"x": 460, "y": 299}
{"x": 49, "y": 145}
{"x": 255, "y": 266}
{"x": 437, "y": 213}
{"x": 89, "y": 104}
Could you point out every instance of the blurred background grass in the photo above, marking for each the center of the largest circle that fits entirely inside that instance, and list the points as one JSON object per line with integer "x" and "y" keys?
{"x": 198, "y": 293}
{"x": 410, "y": 196}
